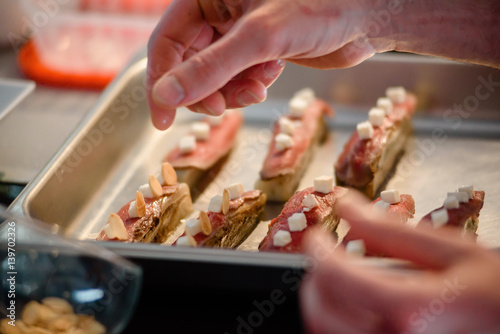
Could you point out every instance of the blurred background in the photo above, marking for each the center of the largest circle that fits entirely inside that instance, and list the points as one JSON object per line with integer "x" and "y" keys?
{"x": 71, "y": 49}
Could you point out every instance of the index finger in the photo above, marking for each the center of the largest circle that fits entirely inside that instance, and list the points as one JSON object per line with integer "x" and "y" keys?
{"x": 180, "y": 26}
{"x": 365, "y": 297}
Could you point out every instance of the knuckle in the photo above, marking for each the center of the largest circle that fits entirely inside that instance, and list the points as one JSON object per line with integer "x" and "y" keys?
{"x": 206, "y": 66}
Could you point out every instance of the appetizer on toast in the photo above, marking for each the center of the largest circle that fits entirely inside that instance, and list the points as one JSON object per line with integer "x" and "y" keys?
{"x": 295, "y": 137}
{"x": 154, "y": 214}
{"x": 460, "y": 209}
{"x": 230, "y": 218}
{"x": 373, "y": 150}
{"x": 205, "y": 148}
{"x": 396, "y": 207}
{"x": 311, "y": 206}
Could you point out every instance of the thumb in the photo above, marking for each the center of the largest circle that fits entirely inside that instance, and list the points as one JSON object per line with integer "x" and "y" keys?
{"x": 209, "y": 70}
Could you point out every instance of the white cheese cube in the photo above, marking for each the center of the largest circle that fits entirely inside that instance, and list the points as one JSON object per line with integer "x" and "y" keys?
{"x": 282, "y": 238}
{"x": 215, "y": 204}
{"x": 215, "y": 120}
{"x": 376, "y": 116}
{"x": 439, "y": 218}
{"x": 365, "y": 130}
{"x": 310, "y": 202}
{"x": 306, "y": 94}
{"x": 323, "y": 184}
{"x": 186, "y": 241}
{"x": 461, "y": 196}
{"x": 145, "y": 189}
{"x": 187, "y": 144}
{"x": 297, "y": 222}
{"x": 385, "y": 103}
{"x": 132, "y": 210}
{"x": 160, "y": 179}
{"x": 299, "y": 103}
{"x": 286, "y": 126}
{"x": 383, "y": 205}
{"x": 235, "y": 190}
{"x": 451, "y": 202}
{"x": 201, "y": 130}
{"x": 283, "y": 141}
{"x": 469, "y": 190}
{"x": 113, "y": 233}
{"x": 193, "y": 226}
{"x": 390, "y": 196}
{"x": 396, "y": 94}
{"x": 356, "y": 248}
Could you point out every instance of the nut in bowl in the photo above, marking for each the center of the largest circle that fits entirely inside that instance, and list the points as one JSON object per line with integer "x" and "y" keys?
{"x": 58, "y": 285}
{"x": 52, "y": 315}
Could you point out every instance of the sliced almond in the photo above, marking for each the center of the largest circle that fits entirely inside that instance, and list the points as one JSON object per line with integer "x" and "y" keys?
{"x": 168, "y": 174}
{"x": 140, "y": 204}
{"x": 206, "y": 227}
{"x": 63, "y": 322}
{"x": 115, "y": 229}
{"x": 46, "y": 314}
{"x": 37, "y": 330}
{"x": 191, "y": 240}
{"x": 155, "y": 186}
{"x": 58, "y": 305}
{"x": 186, "y": 241}
{"x": 225, "y": 202}
{"x": 31, "y": 313}
{"x": 88, "y": 325}
{"x": 9, "y": 329}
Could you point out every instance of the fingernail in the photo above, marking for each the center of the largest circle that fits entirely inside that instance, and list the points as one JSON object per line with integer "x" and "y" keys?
{"x": 168, "y": 91}
{"x": 272, "y": 68}
{"x": 204, "y": 109}
{"x": 246, "y": 98}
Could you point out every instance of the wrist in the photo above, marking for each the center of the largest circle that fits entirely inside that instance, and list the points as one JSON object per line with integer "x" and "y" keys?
{"x": 463, "y": 30}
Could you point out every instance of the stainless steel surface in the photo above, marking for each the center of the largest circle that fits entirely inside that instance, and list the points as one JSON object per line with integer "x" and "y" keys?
{"x": 36, "y": 128}
{"x": 115, "y": 147}
{"x": 12, "y": 92}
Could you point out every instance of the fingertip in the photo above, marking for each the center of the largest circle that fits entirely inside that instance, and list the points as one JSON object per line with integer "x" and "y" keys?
{"x": 318, "y": 243}
{"x": 162, "y": 118}
{"x": 354, "y": 205}
{"x": 353, "y": 197}
{"x": 273, "y": 69}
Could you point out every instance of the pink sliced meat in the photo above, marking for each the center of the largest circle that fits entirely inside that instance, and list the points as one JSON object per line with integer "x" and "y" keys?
{"x": 218, "y": 219}
{"x": 153, "y": 208}
{"x": 458, "y": 216}
{"x": 354, "y": 165}
{"x": 207, "y": 153}
{"x": 401, "y": 211}
{"x": 278, "y": 162}
{"x": 294, "y": 205}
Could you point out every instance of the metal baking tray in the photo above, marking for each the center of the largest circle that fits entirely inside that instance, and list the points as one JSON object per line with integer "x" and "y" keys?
{"x": 115, "y": 147}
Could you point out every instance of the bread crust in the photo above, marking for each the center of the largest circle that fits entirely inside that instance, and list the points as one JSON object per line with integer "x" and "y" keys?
{"x": 230, "y": 229}
{"x": 368, "y": 164}
{"x": 162, "y": 218}
{"x": 282, "y": 187}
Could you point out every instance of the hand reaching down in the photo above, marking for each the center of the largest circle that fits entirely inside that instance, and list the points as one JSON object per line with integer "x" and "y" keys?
{"x": 456, "y": 290}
